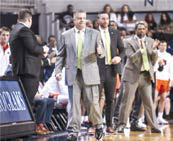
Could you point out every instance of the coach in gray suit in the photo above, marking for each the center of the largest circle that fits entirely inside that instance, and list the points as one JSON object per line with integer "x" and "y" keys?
{"x": 138, "y": 73}
{"x": 79, "y": 49}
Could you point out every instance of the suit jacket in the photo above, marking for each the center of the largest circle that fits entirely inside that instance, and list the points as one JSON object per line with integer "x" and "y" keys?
{"x": 67, "y": 57}
{"x": 25, "y": 51}
{"x": 133, "y": 65}
{"x": 115, "y": 44}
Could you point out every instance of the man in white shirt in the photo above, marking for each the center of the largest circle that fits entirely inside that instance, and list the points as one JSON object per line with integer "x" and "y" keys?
{"x": 4, "y": 49}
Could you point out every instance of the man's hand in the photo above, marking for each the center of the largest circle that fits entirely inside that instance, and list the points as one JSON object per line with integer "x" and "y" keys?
{"x": 99, "y": 51}
{"x": 116, "y": 60}
{"x": 171, "y": 83}
{"x": 53, "y": 60}
{"x": 161, "y": 62}
{"x": 45, "y": 49}
{"x": 58, "y": 76}
{"x": 156, "y": 43}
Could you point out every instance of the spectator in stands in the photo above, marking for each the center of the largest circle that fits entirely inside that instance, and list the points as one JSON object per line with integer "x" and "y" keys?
{"x": 152, "y": 25}
{"x": 164, "y": 75}
{"x": 123, "y": 34}
{"x": 126, "y": 16}
{"x": 52, "y": 86}
{"x": 4, "y": 49}
{"x": 66, "y": 18}
{"x": 52, "y": 44}
{"x": 44, "y": 60}
{"x": 26, "y": 54}
{"x": 43, "y": 104}
{"x": 113, "y": 25}
{"x": 95, "y": 24}
{"x": 89, "y": 23}
{"x": 165, "y": 24}
{"x": 43, "y": 110}
{"x": 108, "y": 9}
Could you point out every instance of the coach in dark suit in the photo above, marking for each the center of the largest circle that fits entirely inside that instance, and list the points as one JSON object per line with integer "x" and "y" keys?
{"x": 79, "y": 49}
{"x": 110, "y": 65}
{"x": 138, "y": 73}
{"x": 26, "y": 54}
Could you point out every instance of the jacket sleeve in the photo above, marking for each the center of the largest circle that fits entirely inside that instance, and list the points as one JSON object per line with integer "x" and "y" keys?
{"x": 60, "y": 60}
{"x": 29, "y": 41}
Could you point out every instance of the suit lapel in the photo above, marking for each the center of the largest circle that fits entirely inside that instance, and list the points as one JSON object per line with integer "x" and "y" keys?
{"x": 87, "y": 39}
{"x": 135, "y": 44}
{"x": 73, "y": 39}
{"x": 112, "y": 42}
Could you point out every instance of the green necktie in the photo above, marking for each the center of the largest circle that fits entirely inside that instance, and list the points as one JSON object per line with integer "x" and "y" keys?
{"x": 146, "y": 66}
{"x": 79, "y": 49}
{"x": 108, "y": 49}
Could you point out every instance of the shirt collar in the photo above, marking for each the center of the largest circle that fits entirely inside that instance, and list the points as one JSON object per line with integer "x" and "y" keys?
{"x": 77, "y": 30}
{"x": 136, "y": 37}
{"x": 103, "y": 30}
{"x": 22, "y": 23}
{"x": 4, "y": 46}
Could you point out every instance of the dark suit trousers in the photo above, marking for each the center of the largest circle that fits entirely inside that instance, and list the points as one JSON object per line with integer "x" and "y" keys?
{"x": 117, "y": 104}
{"x": 30, "y": 85}
{"x": 109, "y": 86}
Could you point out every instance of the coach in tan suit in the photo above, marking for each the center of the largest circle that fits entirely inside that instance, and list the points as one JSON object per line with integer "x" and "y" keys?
{"x": 138, "y": 73}
{"x": 79, "y": 49}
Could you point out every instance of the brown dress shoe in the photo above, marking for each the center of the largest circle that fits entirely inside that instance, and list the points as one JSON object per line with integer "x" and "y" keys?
{"x": 41, "y": 132}
{"x": 109, "y": 130}
{"x": 40, "y": 129}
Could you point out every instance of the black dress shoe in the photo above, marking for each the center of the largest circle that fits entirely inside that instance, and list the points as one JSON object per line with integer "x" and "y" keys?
{"x": 98, "y": 133}
{"x": 135, "y": 127}
{"x": 155, "y": 130}
{"x": 71, "y": 137}
{"x": 120, "y": 129}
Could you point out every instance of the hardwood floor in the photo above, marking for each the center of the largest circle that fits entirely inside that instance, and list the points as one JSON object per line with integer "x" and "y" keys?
{"x": 166, "y": 135}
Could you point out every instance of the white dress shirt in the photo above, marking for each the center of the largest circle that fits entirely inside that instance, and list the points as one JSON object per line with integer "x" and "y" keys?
{"x": 77, "y": 34}
{"x": 103, "y": 39}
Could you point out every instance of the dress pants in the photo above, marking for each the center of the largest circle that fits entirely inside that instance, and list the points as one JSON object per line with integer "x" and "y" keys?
{"x": 145, "y": 89}
{"x": 135, "y": 109}
{"x": 109, "y": 86}
{"x": 117, "y": 105}
{"x": 30, "y": 84}
{"x": 134, "y": 116}
{"x": 90, "y": 95}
